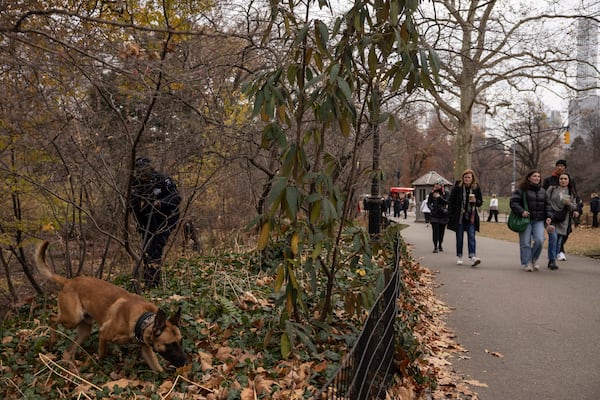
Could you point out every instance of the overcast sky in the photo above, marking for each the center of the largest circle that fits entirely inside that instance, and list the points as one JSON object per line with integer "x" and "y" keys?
{"x": 554, "y": 97}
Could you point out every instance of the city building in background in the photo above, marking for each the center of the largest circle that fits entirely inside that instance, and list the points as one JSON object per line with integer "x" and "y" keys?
{"x": 583, "y": 109}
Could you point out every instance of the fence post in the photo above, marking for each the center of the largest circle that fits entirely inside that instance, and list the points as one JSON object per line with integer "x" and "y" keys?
{"x": 365, "y": 373}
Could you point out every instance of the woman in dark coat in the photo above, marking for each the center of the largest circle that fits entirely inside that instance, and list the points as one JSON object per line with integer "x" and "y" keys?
{"x": 437, "y": 201}
{"x": 539, "y": 211}
{"x": 465, "y": 198}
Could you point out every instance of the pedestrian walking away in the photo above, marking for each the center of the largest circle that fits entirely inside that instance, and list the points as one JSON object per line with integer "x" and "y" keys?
{"x": 426, "y": 211}
{"x": 493, "y": 210}
{"x": 563, "y": 204}
{"x": 155, "y": 205}
{"x": 437, "y": 201}
{"x": 530, "y": 200}
{"x": 463, "y": 217}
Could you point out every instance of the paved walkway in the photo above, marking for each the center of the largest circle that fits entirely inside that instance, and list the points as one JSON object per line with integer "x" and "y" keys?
{"x": 545, "y": 325}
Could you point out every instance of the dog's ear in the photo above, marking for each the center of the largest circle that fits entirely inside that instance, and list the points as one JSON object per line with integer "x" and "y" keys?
{"x": 160, "y": 321}
{"x": 175, "y": 317}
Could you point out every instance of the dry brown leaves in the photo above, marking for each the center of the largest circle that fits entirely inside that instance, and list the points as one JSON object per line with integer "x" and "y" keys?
{"x": 438, "y": 345}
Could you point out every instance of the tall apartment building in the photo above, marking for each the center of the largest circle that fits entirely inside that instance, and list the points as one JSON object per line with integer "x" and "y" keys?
{"x": 585, "y": 108}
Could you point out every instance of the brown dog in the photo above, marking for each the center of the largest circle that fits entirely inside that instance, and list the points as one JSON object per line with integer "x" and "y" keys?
{"x": 123, "y": 317}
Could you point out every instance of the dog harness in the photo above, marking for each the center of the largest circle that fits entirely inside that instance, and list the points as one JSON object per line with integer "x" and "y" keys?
{"x": 142, "y": 323}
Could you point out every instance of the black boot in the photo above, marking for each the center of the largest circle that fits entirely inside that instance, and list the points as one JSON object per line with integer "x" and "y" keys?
{"x": 440, "y": 247}
{"x": 435, "y": 249}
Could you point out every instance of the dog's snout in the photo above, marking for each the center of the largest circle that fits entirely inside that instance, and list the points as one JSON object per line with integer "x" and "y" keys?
{"x": 175, "y": 355}
{"x": 178, "y": 360}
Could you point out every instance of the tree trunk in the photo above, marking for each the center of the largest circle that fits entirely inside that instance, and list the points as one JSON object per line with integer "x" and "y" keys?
{"x": 462, "y": 145}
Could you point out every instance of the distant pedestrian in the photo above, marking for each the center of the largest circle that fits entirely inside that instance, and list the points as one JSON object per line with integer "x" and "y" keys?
{"x": 538, "y": 209}
{"x": 465, "y": 198}
{"x": 426, "y": 211}
{"x": 563, "y": 204}
{"x": 438, "y": 204}
{"x": 405, "y": 205}
{"x": 397, "y": 206}
{"x": 155, "y": 205}
{"x": 595, "y": 209}
{"x": 493, "y": 210}
{"x": 388, "y": 204}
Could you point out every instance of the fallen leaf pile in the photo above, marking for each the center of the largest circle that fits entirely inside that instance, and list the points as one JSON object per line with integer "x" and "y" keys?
{"x": 437, "y": 344}
{"x": 229, "y": 361}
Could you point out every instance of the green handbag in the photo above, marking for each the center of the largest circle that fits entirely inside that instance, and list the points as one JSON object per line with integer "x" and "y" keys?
{"x": 516, "y": 222}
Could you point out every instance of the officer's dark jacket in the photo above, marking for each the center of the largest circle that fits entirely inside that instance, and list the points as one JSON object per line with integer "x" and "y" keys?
{"x": 155, "y": 203}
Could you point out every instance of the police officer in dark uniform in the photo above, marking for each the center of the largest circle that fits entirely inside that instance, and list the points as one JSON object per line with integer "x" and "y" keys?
{"x": 155, "y": 205}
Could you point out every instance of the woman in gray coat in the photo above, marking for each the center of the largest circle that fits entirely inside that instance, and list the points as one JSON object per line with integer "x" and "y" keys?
{"x": 563, "y": 203}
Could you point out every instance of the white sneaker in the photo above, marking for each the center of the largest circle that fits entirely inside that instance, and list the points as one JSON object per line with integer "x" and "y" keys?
{"x": 528, "y": 268}
{"x": 561, "y": 256}
{"x": 475, "y": 261}
{"x": 536, "y": 266}
{"x": 459, "y": 261}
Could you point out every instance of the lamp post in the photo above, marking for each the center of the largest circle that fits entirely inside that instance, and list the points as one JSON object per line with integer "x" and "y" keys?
{"x": 374, "y": 199}
{"x": 513, "y": 185}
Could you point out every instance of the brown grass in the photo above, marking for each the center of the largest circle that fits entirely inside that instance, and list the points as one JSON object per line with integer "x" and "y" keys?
{"x": 583, "y": 241}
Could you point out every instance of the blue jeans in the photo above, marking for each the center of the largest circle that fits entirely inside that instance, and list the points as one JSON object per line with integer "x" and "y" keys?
{"x": 554, "y": 242}
{"x": 460, "y": 233}
{"x": 531, "y": 241}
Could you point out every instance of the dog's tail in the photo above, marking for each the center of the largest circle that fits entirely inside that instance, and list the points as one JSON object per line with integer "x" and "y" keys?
{"x": 42, "y": 265}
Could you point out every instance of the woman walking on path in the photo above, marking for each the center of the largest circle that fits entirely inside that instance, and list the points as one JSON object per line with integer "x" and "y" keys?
{"x": 539, "y": 212}
{"x": 437, "y": 201}
{"x": 563, "y": 203}
{"x": 465, "y": 197}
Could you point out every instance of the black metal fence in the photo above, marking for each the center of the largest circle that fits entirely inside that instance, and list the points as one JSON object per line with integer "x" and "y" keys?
{"x": 367, "y": 369}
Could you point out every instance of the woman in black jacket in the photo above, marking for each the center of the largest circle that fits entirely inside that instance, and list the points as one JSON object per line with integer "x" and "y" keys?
{"x": 437, "y": 201}
{"x": 465, "y": 198}
{"x": 539, "y": 211}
